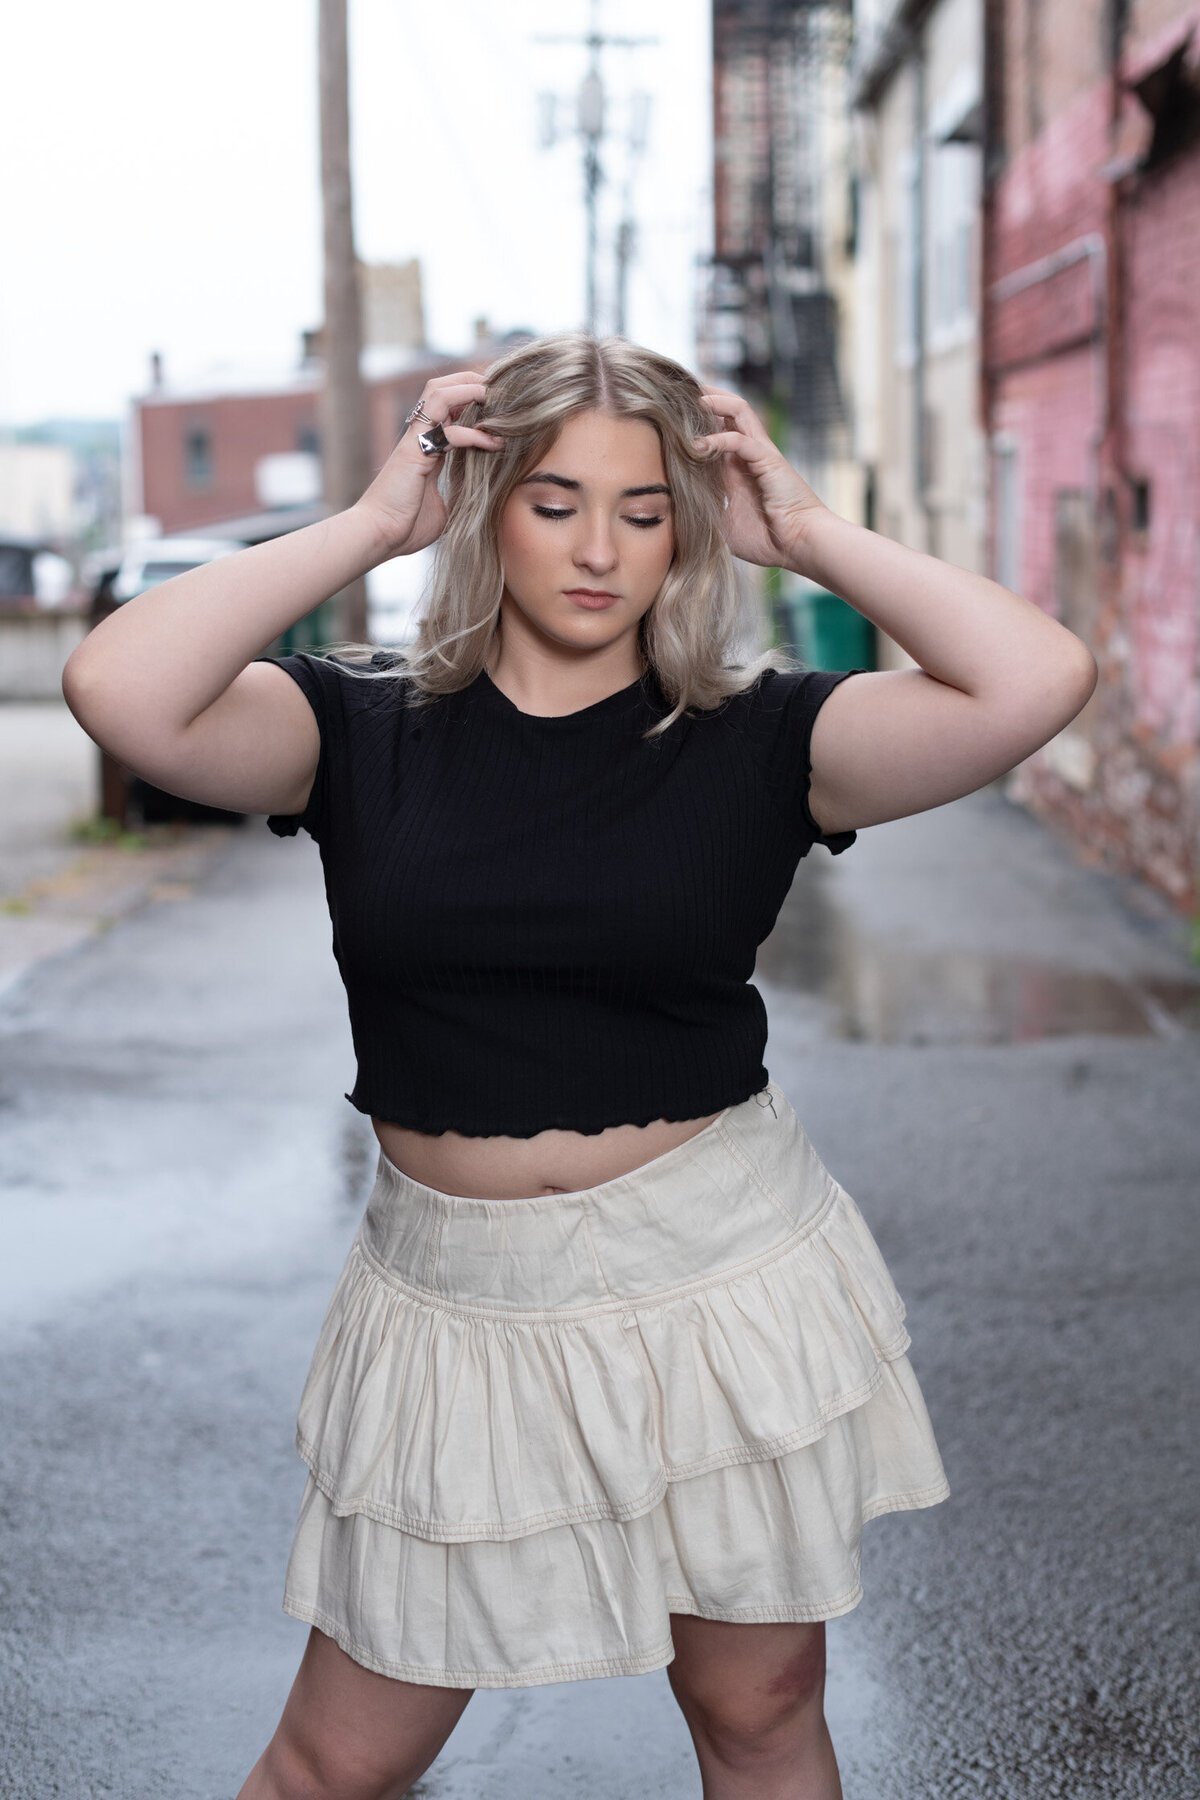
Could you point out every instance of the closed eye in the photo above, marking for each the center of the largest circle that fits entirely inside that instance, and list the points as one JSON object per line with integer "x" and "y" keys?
{"x": 566, "y": 512}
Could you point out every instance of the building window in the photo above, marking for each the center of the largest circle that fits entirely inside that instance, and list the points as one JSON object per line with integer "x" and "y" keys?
{"x": 1139, "y": 496}
{"x": 904, "y": 264}
{"x": 308, "y": 440}
{"x": 953, "y": 199}
{"x": 198, "y": 459}
{"x": 1076, "y": 571}
{"x": 1006, "y": 498}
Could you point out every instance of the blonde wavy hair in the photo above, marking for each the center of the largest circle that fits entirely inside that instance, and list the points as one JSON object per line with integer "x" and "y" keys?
{"x": 689, "y": 633}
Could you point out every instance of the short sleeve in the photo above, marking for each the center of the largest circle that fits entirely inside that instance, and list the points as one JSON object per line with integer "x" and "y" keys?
{"x": 786, "y": 711}
{"x": 318, "y": 679}
{"x": 340, "y": 698}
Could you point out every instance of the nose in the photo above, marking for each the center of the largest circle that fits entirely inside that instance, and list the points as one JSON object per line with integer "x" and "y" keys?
{"x": 596, "y": 551}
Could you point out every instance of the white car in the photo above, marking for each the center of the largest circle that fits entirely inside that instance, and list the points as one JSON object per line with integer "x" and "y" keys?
{"x": 152, "y": 560}
{"x": 114, "y": 577}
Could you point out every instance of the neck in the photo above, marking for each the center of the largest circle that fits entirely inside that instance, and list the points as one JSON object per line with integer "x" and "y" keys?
{"x": 550, "y": 679}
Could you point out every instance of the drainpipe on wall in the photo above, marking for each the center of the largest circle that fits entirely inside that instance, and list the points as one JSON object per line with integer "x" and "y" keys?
{"x": 1113, "y": 425}
{"x": 920, "y": 444}
{"x": 992, "y": 166}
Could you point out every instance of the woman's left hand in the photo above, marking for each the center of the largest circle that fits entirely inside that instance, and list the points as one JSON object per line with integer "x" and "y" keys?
{"x": 769, "y": 504}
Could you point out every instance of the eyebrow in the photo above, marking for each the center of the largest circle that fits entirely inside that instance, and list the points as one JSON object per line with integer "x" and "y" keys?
{"x": 564, "y": 481}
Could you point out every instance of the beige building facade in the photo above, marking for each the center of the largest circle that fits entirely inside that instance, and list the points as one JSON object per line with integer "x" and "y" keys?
{"x": 917, "y": 89}
{"x": 37, "y": 490}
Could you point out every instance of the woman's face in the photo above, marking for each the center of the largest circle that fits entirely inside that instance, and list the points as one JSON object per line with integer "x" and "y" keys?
{"x": 587, "y": 537}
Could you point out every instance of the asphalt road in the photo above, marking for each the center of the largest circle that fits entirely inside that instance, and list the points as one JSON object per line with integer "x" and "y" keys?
{"x": 992, "y": 1051}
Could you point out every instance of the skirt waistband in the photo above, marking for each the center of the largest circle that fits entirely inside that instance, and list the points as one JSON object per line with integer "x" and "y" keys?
{"x": 740, "y": 1189}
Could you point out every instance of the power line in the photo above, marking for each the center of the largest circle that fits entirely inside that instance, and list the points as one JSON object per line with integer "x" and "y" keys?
{"x": 591, "y": 112}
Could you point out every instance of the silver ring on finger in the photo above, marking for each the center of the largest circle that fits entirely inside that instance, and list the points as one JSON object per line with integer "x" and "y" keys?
{"x": 418, "y": 412}
{"x": 433, "y": 442}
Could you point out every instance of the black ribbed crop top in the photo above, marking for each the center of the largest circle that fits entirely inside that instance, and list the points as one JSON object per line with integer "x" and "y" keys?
{"x": 553, "y": 921}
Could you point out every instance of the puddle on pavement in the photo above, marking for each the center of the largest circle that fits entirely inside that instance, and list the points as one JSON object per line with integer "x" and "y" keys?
{"x": 885, "y": 993}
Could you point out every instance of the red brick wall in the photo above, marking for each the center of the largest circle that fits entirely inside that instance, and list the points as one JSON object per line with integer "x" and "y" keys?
{"x": 1051, "y": 353}
{"x": 244, "y": 427}
{"x": 1051, "y": 408}
{"x": 1162, "y": 445}
{"x": 1152, "y": 19}
{"x": 1053, "y": 54}
{"x": 241, "y": 428}
{"x": 1050, "y": 192}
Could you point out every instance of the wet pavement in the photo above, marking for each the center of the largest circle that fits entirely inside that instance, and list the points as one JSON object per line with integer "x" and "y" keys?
{"x": 63, "y": 877}
{"x": 995, "y": 1051}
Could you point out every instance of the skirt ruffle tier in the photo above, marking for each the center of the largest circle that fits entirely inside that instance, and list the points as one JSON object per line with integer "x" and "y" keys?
{"x": 536, "y": 1428}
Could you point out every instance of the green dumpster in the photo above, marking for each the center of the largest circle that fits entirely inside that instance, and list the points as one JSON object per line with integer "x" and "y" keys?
{"x": 824, "y": 632}
{"x": 312, "y": 632}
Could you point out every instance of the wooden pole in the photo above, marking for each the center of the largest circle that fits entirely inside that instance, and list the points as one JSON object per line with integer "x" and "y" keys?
{"x": 345, "y": 425}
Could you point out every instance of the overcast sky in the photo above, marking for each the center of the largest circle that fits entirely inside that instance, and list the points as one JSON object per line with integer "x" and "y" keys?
{"x": 160, "y": 186}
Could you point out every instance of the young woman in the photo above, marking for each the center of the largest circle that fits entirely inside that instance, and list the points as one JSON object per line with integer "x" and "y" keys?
{"x": 614, "y": 1372}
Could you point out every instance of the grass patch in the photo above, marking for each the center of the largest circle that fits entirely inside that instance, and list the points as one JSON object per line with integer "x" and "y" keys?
{"x": 93, "y": 831}
{"x": 106, "y": 831}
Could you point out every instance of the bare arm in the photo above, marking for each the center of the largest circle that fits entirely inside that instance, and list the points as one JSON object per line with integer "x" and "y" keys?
{"x": 164, "y": 682}
{"x": 996, "y": 677}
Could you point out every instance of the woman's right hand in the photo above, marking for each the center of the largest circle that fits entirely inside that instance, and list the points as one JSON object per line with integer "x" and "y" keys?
{"x": 403, "y": 501}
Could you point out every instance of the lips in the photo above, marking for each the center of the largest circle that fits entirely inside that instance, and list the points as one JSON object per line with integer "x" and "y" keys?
{"x": 592, "y": 599}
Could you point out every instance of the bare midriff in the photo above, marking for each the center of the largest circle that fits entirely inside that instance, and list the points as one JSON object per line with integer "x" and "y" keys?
{"x": 510, "y": 1168}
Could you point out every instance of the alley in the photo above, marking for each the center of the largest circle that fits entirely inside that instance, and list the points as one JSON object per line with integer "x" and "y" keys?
{"x": 996, "y": 1051}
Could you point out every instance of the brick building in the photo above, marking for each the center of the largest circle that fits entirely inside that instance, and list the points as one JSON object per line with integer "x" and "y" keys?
{"x": 209, "y": 456}
{"x": 1091, "y": 370}
{"x": 206, "y": 455}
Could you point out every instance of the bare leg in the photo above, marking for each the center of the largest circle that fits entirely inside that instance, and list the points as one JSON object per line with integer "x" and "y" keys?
{"x": 753, "y": 1698}
{"x": 349, "y": 1734}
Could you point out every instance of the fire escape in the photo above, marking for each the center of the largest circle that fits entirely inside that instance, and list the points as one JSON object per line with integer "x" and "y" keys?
{"x": 770, "y": 322}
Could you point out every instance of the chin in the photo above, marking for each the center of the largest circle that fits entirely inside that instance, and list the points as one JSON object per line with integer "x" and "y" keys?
{"x": 583, "y": 640}
{"x": 584, "y": 628}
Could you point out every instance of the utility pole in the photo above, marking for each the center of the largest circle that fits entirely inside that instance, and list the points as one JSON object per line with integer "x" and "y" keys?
{"x": 626, "y": 244}
{"x": 639, "y": 131}
{"x": 590, "y": 124}
{"x": 590, "y": 110}
{"x": 345, "y": 430}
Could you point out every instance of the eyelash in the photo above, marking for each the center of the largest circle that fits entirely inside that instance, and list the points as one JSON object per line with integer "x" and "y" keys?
{"x": 556, "y": 512}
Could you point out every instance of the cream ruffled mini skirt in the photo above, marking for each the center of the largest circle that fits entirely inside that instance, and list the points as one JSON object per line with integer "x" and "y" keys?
{"x": 536, "y": 1428}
